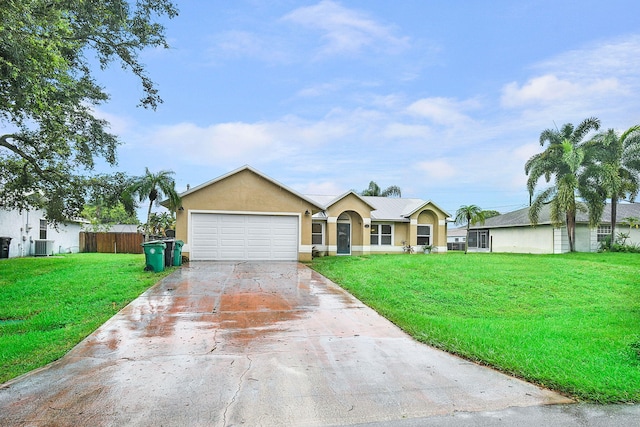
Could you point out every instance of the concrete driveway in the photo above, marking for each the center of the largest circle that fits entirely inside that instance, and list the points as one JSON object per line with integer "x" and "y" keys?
{"x": 221, "y": 344}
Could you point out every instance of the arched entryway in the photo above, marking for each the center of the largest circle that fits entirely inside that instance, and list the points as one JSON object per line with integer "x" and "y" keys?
{"x": 343, "y": 238}
{"x": 427, "y": 228}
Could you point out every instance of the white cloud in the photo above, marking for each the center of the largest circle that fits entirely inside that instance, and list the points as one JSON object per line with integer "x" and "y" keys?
{"x": 524, "y": 152}
{"x": 239, "y": 41}
{"x": 593, "y": 80}
{"x": 322, "y": 89}
{"x": 549, "y": 88}
{"x": 439, "y": 170}
{"x": 256, "y": 143}
{"x": 345, "y": 31}
{"x": 497, "y": 169}
{"x": 618, "y": 57}
{"x": 118, "y": 124}
{"x": 510, "y": 163}
{"x": 406, "y": 131}
{"x": 443, "y": 111}
{"x": 224, "y": 142}
{"x": 387, "y": 102}
{"x": 268, "y": 48}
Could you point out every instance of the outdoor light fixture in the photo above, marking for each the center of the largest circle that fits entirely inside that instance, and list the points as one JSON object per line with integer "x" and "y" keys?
{"x": 180, "y": 208}
{"x": 366, "y": 226}
{"x": 307, "y": 212}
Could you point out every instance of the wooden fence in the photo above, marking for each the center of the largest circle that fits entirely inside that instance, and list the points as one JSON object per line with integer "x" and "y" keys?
{"x": 122, "y": 243}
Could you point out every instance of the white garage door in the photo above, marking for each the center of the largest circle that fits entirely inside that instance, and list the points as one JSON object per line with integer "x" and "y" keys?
{"x": 243, "y": 237}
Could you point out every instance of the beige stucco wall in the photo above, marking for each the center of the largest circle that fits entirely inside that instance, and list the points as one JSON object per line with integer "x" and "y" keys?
{"x": 349, "y": 203}
{"x": 248, "y": 192}
{"x": 400, "y": 233}
{"x": 408, "y": 231}
{"x": 359, "y": 214}
{"x": 430, "y": 215}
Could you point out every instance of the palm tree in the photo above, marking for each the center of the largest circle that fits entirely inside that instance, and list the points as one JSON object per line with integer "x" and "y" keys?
{"x": 154, "y": 187}
{"x": 562, "y": 160}
{"x": 612, "y": 171}
{"x": 375, "y": 190}
{"x": 469, "y": 214}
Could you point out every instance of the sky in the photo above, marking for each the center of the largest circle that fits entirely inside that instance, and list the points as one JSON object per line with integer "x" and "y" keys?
{"x": 445, "y": 99}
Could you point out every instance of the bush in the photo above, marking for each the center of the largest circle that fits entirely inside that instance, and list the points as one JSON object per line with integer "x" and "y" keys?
{"x": 628, "y": 248}
{"x": 605, "y": 245}
{"x": 620, "y": 245}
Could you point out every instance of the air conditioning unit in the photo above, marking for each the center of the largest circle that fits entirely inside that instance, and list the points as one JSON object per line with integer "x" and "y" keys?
{"x": 43, "y": 247}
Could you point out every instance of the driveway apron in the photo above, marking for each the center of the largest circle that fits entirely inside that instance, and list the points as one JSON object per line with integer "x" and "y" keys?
{"x": 221, "y": 344}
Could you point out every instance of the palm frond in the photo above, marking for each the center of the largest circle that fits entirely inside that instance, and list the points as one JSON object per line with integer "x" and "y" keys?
{"x": 538, "y": 202}
{"x": 586, "y": 126}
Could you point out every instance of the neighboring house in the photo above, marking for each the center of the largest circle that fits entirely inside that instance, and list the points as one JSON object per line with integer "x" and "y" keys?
{"x": 31, "y": 234}
{"x": 456, "y": 238}
{"x": 513, "y": 232}
{"x": 246, "y": 215}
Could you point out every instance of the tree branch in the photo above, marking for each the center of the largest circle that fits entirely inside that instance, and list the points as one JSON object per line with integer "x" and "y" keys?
{"x": 42, "y": 173}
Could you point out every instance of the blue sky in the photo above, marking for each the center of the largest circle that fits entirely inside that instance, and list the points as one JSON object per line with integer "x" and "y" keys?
{"x": 444, "y": 99}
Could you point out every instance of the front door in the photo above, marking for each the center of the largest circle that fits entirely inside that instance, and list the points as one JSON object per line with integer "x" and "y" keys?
{"x": 344, "y": 238}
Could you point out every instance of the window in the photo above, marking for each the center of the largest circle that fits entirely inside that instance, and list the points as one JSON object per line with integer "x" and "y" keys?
{"x": 317, "y": 233}
{"x": 424, "y": 235}
{"x": 478, "y": 239}
{"x": 381, "y": 234}
{"x": 603, "y": 232}
{"x": 473, "y": 239}
{"x": 43, "y": 229}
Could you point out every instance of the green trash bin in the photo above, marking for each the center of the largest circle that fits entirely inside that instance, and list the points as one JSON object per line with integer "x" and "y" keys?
{"x": 177, "y": 252}
{"x": 154, "y": 255}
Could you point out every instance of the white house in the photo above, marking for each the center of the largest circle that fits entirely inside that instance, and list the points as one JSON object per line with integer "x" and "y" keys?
{"x": 456, "y": 238}
{"x": 31, "y": 234}
{"x": 513, "y": 232}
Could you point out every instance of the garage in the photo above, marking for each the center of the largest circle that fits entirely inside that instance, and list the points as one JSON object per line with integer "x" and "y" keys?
{"x": 222, "y": 236}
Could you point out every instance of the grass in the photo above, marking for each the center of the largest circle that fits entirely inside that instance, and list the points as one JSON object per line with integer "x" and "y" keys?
{"x": 48, "y": 305}
{"x": 568, "y": 322}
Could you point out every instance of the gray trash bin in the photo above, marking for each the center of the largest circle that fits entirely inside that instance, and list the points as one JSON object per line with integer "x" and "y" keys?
{"x": 168, "y": 252}
{"x": 5, "y": 242}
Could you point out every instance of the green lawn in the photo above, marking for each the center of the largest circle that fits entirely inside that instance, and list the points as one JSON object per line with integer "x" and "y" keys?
{"x": 568, "y": 322}
{"x": 48, "y": 305}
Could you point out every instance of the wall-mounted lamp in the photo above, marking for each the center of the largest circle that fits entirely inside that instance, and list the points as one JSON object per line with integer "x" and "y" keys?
{"x": 366, "y": 226}
{"x": 180, "y": 208}
{"x": 307, "y": 212}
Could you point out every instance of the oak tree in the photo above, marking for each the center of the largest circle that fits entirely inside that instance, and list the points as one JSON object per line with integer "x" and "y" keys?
{"x": 49, "y": 132}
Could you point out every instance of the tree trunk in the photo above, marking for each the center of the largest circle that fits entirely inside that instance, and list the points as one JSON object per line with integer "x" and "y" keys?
{"x": 571, "y": 230}
{"x": 614, "y": 212}
{"x": 147, "y": 226}
{"x": 466, "y": 241}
